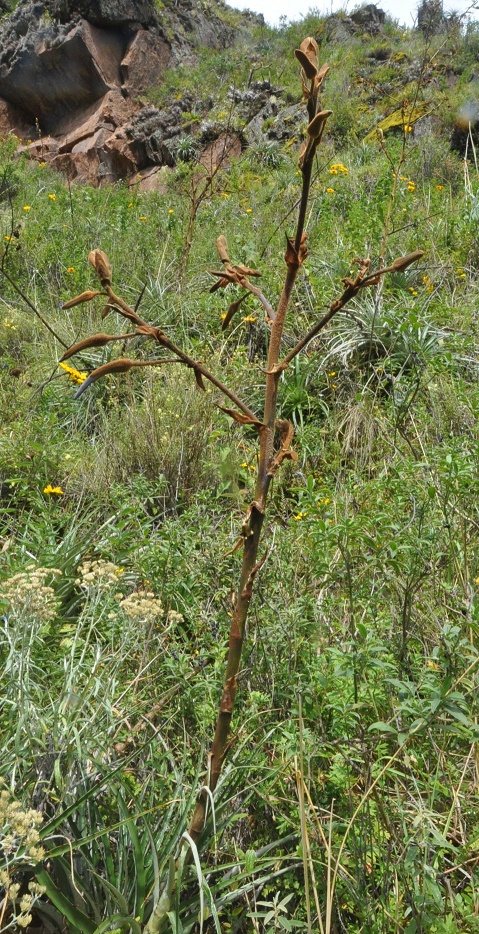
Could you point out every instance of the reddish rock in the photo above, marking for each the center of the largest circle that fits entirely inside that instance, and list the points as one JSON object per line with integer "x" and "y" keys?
{"x": 50, "y": 82}
{"x": 110, "y": 112}
{"x": 153, "y": 179}
{"x": 81, "y": 167}
{"x": 220, "y": 151}
{"x": 145, "y": 61}
{"x": 98, "y": 160}
{"x": 13, "y": 122}
{"x": 41, "y": 149}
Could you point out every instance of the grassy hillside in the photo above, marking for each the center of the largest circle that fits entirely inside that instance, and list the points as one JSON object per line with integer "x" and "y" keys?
{"x": 349, "y": 798}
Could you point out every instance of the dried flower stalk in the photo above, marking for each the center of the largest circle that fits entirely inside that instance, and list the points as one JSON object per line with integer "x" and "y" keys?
{"x": 271, "y": 452}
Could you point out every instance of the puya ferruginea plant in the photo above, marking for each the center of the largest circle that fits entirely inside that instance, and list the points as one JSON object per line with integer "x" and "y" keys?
{"x": 274, "y": 436}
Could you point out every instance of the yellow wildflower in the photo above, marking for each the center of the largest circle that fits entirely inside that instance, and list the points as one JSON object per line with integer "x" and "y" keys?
{"x": 439, "y": 187}
{"x": 330, "y": 191}
{"x": 42, "y": 165}
{"x": 71, "y": 269}
{"x": 53, "y": 490}
{"x": 52, "y": 197}
{"x": 250, "y": 319}
{"x": 27, "y": 207}
{"x": 73, "y": 374}
{"x": 171, "y": 211}
{"x": 337, "y": 168}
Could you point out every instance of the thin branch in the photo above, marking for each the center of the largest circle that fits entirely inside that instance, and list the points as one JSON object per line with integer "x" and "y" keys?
{"x": 161, "y": 338}
{"x": 30, "y": 304}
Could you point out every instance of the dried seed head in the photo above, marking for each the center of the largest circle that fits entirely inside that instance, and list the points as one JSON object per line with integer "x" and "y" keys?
{"x": 316, "y": 127}
{"x": 222, "y": 247}
{"x": 402, "y": 262}
{"x": 307, "y": 56}
{"x": 96, "y": 340}
{"x": 100, "y": 261}
{"x": 307, "y": 65}
{"x": 79, "y": 299}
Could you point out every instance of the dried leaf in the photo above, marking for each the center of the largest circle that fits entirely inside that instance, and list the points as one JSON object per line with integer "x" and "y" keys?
{"x": 221, "y": 284}
{"x": 241, "y": 417}
{"x": 222, "y": 247}
{"x": 291, "y": 257}
{"x": 302, "y": 153}
{"x": 303, "y": 250}
{"x": 285, "y": 429}
{"x": 322, "y": 74}
{"x": 107, "y": 310}
{"x": 79, "y": 299}
{"x": 235, "y": 547}
{"x": 148, "y": 330}
{"x": 232, "y": 309}
{"x": 246, "y": 271}
{"x": 404, "y": 261}
{"x": 199, "y": 379}
{"x": 121, "y": 309}
{"x": 100, "y": 261}
{"x": 96, "y": 340}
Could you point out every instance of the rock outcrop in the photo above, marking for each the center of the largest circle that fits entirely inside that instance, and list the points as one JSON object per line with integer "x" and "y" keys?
{"x": 72, "y": 76}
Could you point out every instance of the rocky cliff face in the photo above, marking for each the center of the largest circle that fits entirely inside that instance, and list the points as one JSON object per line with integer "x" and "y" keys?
{"x": 72, "y": 73}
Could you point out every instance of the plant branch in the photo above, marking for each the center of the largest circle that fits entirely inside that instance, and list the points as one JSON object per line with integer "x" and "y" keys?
{"x": 352, "y": 288}
{"x": 30, "y": 304}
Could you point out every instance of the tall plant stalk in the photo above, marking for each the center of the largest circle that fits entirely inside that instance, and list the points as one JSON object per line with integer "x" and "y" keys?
{"x": 275, "y": 436}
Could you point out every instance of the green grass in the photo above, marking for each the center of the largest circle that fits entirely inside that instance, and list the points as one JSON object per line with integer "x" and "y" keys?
{"x": 362, "y": 648}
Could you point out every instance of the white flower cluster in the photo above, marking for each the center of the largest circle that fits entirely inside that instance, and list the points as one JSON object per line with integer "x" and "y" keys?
{"x": 27, "y": 594}
{"x": 18, "y": 829}
{"x": 21, "y": 908}
{"x": 174, "y": 617}
{"x": 142, "y": 605}
{"x": 19, "y": 843}
{"x": 98, "y": 575}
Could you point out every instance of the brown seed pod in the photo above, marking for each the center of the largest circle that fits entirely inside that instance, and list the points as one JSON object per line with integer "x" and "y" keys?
{"x": 100, "y": 261}
{"x": 79, "y": 299}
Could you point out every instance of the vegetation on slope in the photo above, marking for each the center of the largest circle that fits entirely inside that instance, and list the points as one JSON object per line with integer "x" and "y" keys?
{"x": 354, "y": 764}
